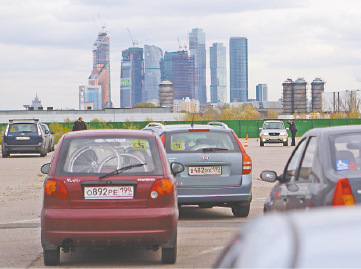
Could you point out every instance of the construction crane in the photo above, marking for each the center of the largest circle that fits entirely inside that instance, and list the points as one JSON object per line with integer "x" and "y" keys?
{"x": 135, "y": 42}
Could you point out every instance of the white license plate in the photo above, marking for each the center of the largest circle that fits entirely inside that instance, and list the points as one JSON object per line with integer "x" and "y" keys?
{"x": 109, "y": 192}
{"x": 22, "y": 138}
{"x": 204, "y": 170}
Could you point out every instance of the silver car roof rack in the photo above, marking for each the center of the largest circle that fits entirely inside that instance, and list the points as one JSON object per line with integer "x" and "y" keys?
{"x": 220, "y": 124}
{"x": 155, "y": 124}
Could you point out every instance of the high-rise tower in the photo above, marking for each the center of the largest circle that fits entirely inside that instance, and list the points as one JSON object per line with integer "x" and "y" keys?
{"x": 238, "y": 58}
{"x": 178, "y": 67}
{"x": 152, "y": 77}
{"x": 197, "y": 48}
{"x": 317, "y": 89}
{"x": 101, "y": 67}
{"x": 131, "y": 76}
{"x": 218, "y": 73}
{"x": 294, "y": 96}
{"x": 261, "y": 92}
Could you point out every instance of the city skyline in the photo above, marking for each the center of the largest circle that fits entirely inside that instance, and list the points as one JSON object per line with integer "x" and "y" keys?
{"x": 47, "y": 45}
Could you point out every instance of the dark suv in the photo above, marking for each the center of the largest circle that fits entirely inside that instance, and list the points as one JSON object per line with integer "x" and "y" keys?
{"x": 24, "y": 136}
{"x": 218, "y": 171}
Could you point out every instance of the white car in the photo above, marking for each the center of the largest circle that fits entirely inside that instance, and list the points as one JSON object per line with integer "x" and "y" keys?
{"x": 273, "y": 131}
{"x": 321, "y": 238}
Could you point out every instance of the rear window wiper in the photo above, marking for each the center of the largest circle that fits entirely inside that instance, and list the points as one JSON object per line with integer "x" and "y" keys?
{"x": 213, "y": 149}
{"x": 121, "y": 170}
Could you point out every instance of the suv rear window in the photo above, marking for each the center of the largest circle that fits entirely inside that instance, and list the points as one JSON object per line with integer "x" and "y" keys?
{"x": 186, "y": 142}
{"x": 99, "y": 155}
{"x": 23, "y": 128}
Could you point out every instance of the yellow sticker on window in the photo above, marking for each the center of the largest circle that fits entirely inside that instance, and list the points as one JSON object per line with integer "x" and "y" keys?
{"x": 139, "y": 144}
{"x": 177, "y": 146}
{"x": 12, "y": 130}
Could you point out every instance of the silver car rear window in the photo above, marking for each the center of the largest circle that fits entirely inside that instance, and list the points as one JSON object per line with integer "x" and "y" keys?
{"x": 186, "y": 141}
{"x": 99, "y": 155}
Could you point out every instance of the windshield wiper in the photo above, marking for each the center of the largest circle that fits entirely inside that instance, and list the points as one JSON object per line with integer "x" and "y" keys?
{"x": 213, "y": 149}
{"x": 121, "y": 170}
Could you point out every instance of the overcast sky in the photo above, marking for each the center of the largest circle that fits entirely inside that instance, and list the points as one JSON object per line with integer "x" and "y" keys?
{"x": 46, "y": 45}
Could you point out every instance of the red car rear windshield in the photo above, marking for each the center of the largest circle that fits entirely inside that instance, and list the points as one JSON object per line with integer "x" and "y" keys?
{"x": 99, "y": 155}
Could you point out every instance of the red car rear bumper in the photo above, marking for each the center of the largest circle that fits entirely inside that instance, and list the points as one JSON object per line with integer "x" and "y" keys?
{"x": 106, "y": 227}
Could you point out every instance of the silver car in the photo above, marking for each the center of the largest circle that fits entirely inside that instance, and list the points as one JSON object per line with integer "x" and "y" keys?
{"x": 218, "y": 171}
{"x": 319, "y": 238}
{"x": 273, "y": 131}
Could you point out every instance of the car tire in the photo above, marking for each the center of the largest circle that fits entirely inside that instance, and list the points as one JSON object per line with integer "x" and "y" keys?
{"x": 51, "y": 257}
{"x": 4, "y": 154}
{"x": 43, "y": 153}
{"x": 169, "y": 255}
{"x": 285, "y": 143}
{"x": 261, "y": 143}
{"x": 241, "y": 211}
{"x": 53, "y": 147}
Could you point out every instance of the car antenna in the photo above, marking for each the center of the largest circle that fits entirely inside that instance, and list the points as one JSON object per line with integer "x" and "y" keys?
{"x": 192, "y": 120}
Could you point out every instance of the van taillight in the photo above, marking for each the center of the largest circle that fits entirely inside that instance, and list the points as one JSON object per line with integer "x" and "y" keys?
{"x": 247, "y": 162}
{"x": 343, "y": 193}
{"x": 56, "y": 189}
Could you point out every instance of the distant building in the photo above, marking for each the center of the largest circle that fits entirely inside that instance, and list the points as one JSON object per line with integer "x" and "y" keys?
{"x": 152, "y": 75}
{"x": 131, "y": 77}
{"x": 345, "y": 101}
{"x": 218, "y": 67}
{"x": 317, "y": 89}
{"x": 178, "y": 67}
{"x": 36, "y": 104}
{"x": 101, "y": 68}
{"x": 294, "y": 96}
{"x": 90, "y": 97}
{"x": 166, "y": 94}
{"x": 197, "y": 48}
{"x": 186, "y": 104}
{"x": 238, "y": 59}
{"x": 261, "y": 92}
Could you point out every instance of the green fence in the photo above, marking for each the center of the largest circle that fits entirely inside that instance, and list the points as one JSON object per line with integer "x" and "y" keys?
{"x": 241, "y": 127}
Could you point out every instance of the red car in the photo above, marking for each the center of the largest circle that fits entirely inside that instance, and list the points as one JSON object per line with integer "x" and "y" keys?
{"x": 109, "y": 188}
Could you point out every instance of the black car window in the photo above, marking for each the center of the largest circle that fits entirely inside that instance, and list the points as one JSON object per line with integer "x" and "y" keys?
{"x": 98, "y": 155}
{"x": 293, "y": 163}
{"x": 306, "y": 165}
{"x": 187, "y": 142}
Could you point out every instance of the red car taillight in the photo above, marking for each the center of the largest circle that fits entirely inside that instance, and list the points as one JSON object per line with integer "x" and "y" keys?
{"x": 56, "y": 189}
{"x": 247, "y": 162}
{"x": 161, "y": 188}
{"x": 162, "y": 137}
{"x": 343, "y": 193}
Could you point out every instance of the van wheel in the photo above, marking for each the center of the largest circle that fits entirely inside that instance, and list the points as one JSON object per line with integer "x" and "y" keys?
{"x": 52, "y": 257}
{"x": 241, "y": 211}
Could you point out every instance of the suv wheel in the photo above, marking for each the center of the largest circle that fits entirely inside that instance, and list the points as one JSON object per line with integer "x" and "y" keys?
{"x": 285, "y": 143}
{"x": 241, "y": 211}
{"x": 4, "y": 154}
{"x": 43, "y": 152}
{"x": 261, "y": 143}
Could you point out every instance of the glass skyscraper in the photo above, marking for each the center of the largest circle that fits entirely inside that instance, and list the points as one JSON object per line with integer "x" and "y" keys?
{"x": 152, "y": 76}
{"x": 101, "y": 68}
{"x": 90, "y": 94}
{"x": 218, "y": 73}
{"x": 131, "y": 77}
{"x": 238, "y": 58}
{"x": 178, "y": 67}
{"x": 197, "y": 48}
{"x": 261, "y": 92}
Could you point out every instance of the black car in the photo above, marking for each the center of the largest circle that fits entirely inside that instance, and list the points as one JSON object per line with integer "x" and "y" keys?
{"x": 323, "y": 170}
{"x": 49, "y": 137}
{"x": 24, "y": 136}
